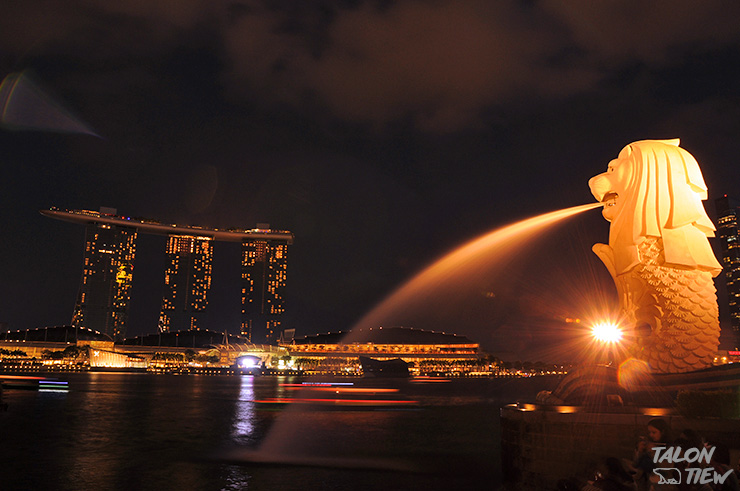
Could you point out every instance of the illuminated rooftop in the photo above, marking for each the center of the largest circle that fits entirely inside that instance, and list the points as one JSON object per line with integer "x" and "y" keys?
{"x": 191, "y": 338}
{"x": 66, "y": 334}
{"x": 145, "y": 225}
{"x": 388, "y": 335}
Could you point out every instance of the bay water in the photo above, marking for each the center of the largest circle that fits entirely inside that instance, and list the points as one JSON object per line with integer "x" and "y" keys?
{"x": 144, "y": 431}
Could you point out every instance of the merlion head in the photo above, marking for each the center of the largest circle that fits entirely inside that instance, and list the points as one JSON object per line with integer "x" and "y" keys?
{"x": 655, "y": 188}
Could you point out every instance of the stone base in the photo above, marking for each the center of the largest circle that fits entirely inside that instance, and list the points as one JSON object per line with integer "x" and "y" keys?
{"x": 541, "y": 445}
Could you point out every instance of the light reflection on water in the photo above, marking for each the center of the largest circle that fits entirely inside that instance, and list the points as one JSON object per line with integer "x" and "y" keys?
{"x": 244, "y": 412}
{"x": 138, "y": 431}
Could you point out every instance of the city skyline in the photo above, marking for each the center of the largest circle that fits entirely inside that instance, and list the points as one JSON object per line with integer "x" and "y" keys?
{"x": 727, "y": 231}
{"x": 103, "y": 301}
{"x": 383, "y": 134}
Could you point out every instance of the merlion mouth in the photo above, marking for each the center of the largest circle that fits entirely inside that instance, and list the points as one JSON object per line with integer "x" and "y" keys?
{"x": 610, "y": 199}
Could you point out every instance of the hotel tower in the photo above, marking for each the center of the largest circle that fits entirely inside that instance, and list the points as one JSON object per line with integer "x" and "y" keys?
{"x": 105, "y": 289}
{"x": 187, "y": 280}
{"x": 264, "y": 274}
{"x": 107, "y": 275}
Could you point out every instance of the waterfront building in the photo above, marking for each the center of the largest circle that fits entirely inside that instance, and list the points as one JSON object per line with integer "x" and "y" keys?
{"x": 110, "y": 246}
{"x": 33, "y": 344}
{"x": 723, "y": 357}
{"x": 105, "y": 288}
{"x": 426, "y": 352}
{"x": 728, "y": 210}
{"x": 264, "y": 276}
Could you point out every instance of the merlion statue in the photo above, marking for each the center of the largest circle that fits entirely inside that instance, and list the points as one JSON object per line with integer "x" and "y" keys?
{"x": 659, "y": 255}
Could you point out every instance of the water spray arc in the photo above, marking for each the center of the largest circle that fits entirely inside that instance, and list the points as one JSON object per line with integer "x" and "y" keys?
{"x": 464, "y": 261}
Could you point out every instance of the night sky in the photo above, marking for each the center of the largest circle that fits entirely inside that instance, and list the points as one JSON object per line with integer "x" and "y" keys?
{"x": 382, "y": 134}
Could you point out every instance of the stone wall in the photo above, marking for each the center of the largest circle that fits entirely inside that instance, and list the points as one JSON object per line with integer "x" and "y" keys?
{"x": 540, "y": 445}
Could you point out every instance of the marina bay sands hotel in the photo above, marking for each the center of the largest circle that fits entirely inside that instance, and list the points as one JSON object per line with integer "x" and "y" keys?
{"x": 110, "y": 247}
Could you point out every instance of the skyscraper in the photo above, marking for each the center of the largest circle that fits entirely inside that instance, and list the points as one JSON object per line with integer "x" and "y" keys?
{"x": 728, "y": 210}
{"x": 105, "y": 288}
{"x": 108, "y": 270}
{"x": 264, "y": 276}
{"x": 187, "y": 279}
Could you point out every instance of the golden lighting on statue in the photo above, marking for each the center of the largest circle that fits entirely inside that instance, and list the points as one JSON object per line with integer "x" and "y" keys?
{"x": 606, "y": 332}
{"x": 659, "y": 256}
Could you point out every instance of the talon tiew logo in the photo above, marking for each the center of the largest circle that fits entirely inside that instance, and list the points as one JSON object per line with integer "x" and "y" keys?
{"x": 693, "y": 475}
{"x": 668, "y": 475}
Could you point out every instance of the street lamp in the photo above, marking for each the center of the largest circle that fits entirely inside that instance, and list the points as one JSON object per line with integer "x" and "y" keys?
{"x": 607, "y": 332}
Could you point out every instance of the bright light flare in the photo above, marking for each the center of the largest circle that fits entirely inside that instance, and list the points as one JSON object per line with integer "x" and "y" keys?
{"x": 248, "y": 361}
{"x": 606, "y": 332}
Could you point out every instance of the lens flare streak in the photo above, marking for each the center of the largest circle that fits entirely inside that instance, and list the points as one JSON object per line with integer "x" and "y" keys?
{"x": 337, "y": 402}
{"x": 343, "y": 390}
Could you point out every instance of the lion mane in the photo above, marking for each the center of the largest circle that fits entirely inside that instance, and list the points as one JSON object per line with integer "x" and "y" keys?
{"x": 661, "y": 189}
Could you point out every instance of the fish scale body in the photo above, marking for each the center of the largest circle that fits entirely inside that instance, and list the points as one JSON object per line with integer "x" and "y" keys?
{"x": 678, "y": 305}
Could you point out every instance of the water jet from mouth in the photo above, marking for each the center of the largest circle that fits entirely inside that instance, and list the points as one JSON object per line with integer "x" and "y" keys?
{"x": 458, "y": 266}
{"x": 287, "y": 443}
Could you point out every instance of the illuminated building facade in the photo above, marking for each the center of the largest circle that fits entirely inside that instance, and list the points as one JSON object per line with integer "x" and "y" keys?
{"x": 187, "y": 279}
{"x": 264, "y": 276}
{"x": 728, "y": 210}
{"x": 425, "y": 351}
{"x": 391, "y": 342}
{"x": 108, "y": 271}
{"x": 105, "y": 289}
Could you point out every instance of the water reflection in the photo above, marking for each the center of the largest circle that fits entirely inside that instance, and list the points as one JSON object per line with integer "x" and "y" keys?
{"x": 131, "y": 431}
{"x": 244, "y": 412}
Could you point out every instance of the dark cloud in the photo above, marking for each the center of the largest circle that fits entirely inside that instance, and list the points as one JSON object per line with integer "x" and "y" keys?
{"x": 440, "y": 63}
{"x": 615, "y": 33}
{"x": 444, "y": 62}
